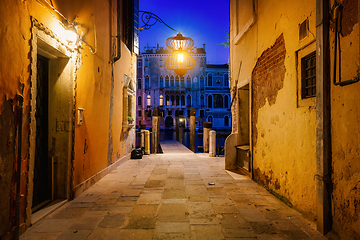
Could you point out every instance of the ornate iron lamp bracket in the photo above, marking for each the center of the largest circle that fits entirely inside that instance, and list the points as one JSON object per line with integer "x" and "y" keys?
{"x": 150, "y": 19}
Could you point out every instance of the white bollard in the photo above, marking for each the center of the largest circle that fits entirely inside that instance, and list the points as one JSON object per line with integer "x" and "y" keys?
{"x": 212, "y": 143}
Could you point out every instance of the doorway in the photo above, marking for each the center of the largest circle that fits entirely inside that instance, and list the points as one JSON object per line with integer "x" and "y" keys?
{"x": 42, "y": 189}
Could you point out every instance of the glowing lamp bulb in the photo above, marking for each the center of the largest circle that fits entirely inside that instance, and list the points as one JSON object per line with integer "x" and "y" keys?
{"x": 180, "y": 57}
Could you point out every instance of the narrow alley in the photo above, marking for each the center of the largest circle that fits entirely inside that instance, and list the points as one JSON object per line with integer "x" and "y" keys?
{"x": 175, "y": 195}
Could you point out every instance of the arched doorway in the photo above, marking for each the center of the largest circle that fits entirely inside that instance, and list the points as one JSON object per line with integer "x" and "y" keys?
{"x": 169, "y": 122}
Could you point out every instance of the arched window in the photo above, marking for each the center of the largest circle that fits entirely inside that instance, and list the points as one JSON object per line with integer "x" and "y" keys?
{"x": 148, "y": 100}
{"x": 167, "y": 102}
{"x": 188, "y": 82}
{"x": 218, "y": 101}
{"x": 210, "y": 118}
{"x": 160, "y": 62}
{"x": 210, "y": 102}
{"x": 167, "y": 81}
{"x": 147, "y": 82}
{"x": 226, "y": 101}
{"x": 182, "y": 82}
{"x": 139, "y": 83}
{"x": 201, "y": 81}
{"x": 172, "y": 81}
{"x": 172, "y": 101}
{"x": 139, "y": 100}
{"x": 202, "y": 101}
{"x": 188, "y": 101}
{"x": 210, "y": 79}
{"x": 177, "y": 100}
{"x": 146, "y": 62}
{"x": 201, "y": 62}
{"x": 161, "y": 100}
{"x": 182, "y": 100}
{"x": 226, "y": 79}
{"x": 226, "y": 121}
{"x": 161, "y": 81}
{"x": 177, "y": 81}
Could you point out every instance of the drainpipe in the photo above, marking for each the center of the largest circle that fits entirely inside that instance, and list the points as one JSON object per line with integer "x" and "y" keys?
{"x": 18, "y": 171}
{"x": 323, "y": 115}
{"x": 118, "y": 33}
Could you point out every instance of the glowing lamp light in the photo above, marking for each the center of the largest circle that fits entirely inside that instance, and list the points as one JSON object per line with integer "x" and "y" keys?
{"x": 70, "y": 36}
{"x": 180, "y": 60}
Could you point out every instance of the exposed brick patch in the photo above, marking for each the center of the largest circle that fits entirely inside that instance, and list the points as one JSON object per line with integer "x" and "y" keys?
{"x": 267, "y": 79}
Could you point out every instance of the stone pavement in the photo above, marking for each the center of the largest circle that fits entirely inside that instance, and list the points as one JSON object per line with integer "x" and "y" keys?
{"x": 168, "y": 196}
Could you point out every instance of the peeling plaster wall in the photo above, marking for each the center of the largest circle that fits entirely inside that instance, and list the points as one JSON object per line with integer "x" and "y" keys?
{"x": 345, "y": 117}
{"x": 89, "y": 76}
{"x": 283, "y": 131}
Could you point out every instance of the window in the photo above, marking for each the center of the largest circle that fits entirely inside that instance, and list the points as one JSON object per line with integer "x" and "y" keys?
{"x": 218, "y": 101}
{"x": 202, "y": 101}
{"x": 210, "y": 119}
{"x": 172, "y": 101}
{"x": 226, "y": 102}
{"x": 210, "y": 78}
{"x": 130, "y": 25}
{"x": 148, "y": 100}
{"x": 182, "y": 82}
{"x": 160, "y": 62}
{"x": 161, "y": 81}
{"x": 161, "y": 100}
{"x": 210, "y": 101}
{"x": 169, "y": 113}
{"x": 177, "y": 81}
{"x": 308, "y": 76}
{"x": 201, "y": 81}
{"x": 188, "y": 82}
{"x": 172, "y": 81}
{"x": 139, "y": 83}
{"x": 139, "y": 113}
{"x": 188, "y": 101}
{"x": 139, "y": 100}
{"x": 182, "y": 100}
{"x": 148, "y": 113}
{"x": 146, "y": 62}
{"x": 177, "y": 100}
{"x": 202, "y": 113}
{"x": 167, "y": 102}
{"x": 226, "y": 79}
{"x": 139, "y": 64}
{"x": 188, "y": 113}
{"x": 201, "y": 62}
{"x": 147, "y": 82}
{"x": 167, "y": 81}
{"x": 226, "y": 121}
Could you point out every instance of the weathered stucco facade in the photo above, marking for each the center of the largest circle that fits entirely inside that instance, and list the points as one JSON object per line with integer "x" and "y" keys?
{"x": 273, "y": 47}
{"x": 60, "y": 80}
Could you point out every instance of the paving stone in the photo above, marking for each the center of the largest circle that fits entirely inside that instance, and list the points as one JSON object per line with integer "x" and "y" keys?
{"x": 238, "y": 233}
{"x": 174, "y": 193}
{"x": 172, "y": 227}
{"x": 222, "y": 201}
{"x": 131, "y": 192}
{"x": 203, "y": 221}
{"x": 149, "y": 211}
{"x": 67, "y": 213}
{"x": 154, "y": 183}
{"x": 135, "y": 234}
{"x": 263, "y": 227}
{"x": 173, "y": 212}
{"x": 195, "y": 190}
{"x": 37, "y": 236}
{"x": 80, "y": 205}
{"x": 201, "y": 210}
{"x": 149, "y": 198}
{"x": 172, "y": 236}
{"x": 252, "y": 215}
{"x": 86, "y": 223}
{"x": 202, "y": 232}
{"x": 199, "y": 198}
{"x": 140, "y": 223}
{"x": 225, "y": 209}
{"x": 113, "y": 221}
{"x": 176, "y": 200}
{"x": 73, "y": 235}
{"x": 104, "y": 234}
{"x": 53, "y": 225}
{"x": 232, "y": 220}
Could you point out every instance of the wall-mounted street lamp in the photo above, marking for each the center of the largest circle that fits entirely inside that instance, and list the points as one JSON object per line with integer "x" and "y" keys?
{"x": 180, "y": 60}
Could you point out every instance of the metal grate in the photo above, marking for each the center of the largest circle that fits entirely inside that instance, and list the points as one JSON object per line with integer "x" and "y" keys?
{"x": 309, "y": 76}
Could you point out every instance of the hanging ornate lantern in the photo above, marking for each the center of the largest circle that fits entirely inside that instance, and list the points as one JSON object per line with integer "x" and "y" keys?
{"x": 180, "y": 60}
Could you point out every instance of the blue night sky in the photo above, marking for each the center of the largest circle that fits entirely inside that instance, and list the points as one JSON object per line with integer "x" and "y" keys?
{"x": 203, "y": 20}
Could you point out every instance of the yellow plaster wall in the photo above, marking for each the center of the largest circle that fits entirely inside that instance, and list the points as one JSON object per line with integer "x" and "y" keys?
{"x": 345, "y": 129}
{"x": 284, "y": 152}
